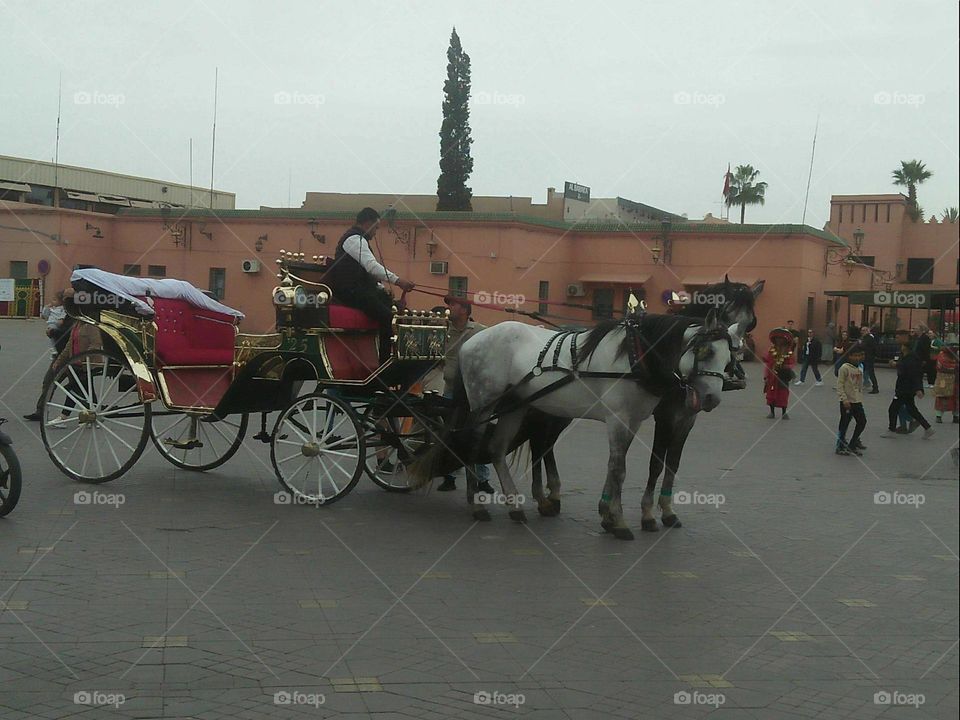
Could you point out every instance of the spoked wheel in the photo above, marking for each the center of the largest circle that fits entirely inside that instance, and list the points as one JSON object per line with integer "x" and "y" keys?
{"x": 94, "y": 425}
{"x": 392, "y": 445}
{"x": 318, "y": 449}
{"x": 194, "y": 441}
{"x": 9, "y": 479}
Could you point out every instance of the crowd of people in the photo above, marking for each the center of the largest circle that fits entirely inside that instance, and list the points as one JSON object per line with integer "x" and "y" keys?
{"x": 923, "y": 362}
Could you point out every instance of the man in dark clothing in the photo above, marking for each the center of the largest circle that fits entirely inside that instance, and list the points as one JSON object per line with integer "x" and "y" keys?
{"x": 810, "y": 355}
{"x": 868, "y": 342}
{"x": 357, "y": 278}
{"x": 909, "y": 388}
{"x": 921, "y": 347}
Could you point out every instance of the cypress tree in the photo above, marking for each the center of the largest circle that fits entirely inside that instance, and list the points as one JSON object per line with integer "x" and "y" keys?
{"x": 455, "y": 161}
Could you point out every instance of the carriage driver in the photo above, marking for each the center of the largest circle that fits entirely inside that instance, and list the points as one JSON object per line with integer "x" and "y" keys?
{"x": 356, "y": 277}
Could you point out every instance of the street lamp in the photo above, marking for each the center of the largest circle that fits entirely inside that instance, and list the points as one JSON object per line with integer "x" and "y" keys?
{"x": 664, "y": 244}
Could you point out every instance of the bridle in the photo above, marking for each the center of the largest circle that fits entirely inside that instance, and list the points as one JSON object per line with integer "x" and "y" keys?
{"x": 699, "y": 345}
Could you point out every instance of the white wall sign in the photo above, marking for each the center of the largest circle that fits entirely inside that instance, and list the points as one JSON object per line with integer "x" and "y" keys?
{"x": 7, "y": 287}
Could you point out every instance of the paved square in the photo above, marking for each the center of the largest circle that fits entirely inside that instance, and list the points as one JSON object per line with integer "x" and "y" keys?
{"x": 806, "y": 590}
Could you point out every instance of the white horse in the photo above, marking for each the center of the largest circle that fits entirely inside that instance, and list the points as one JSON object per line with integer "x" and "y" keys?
{"x": 615, "y": 373}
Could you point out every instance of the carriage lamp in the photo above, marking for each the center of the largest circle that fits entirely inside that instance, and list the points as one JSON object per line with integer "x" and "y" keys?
{"x": 663, "y": 250}
{"x": 319, "y": 237}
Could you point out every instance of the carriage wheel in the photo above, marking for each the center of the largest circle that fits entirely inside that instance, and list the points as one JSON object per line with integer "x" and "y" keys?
{"x": 10, "y": 479}
{"x": 392, "y": 445}
{"x": 317, "y": 449}
{"x": 194, "y": 441}
{"x": 94, "y": 425}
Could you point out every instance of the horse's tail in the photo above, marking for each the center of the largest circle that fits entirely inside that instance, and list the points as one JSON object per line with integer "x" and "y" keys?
{"x": 443, "y": 454}
{"x": 520, "y": 458}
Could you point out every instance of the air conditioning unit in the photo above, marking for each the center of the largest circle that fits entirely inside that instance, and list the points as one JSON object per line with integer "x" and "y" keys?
{"x": 575, "y": 290}
{"x": 251, "y": 266}
{"x": 438, "y": 267}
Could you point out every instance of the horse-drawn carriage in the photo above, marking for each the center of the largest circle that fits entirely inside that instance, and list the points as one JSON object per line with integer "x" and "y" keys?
{"x": 171, "y": 367}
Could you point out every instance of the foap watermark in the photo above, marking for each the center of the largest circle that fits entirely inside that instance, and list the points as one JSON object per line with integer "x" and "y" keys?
{"x": 682, "y": 297}
{"x": 686, "y": 697}
{"x": 495, "y": 697}
{"x": 495, "y": 297}
{"x": 99, "y": 698}
{"x": 285, "y": 498}
{"x": 95, "y": 497}
{"x": 886, "y": 97}
{"x": 497, "y": 98}
{"x": 295, "y": 97}
{"x": 95, "y": 97}
{"x": 898, "y": 298}
{"x": 97, "y": 298}
{"x": 698, "y": 498}
{"x": 295, "y": 697}
{"x": 484, "y": 498}
{"x": 699, "y": 98}
{"x": 300, "y": 299}
{"x": 900, "y": 699}
{"x": 882, "y": 497}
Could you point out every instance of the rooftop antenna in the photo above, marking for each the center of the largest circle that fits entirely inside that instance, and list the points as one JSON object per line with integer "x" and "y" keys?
{"x": 289, "y": 187}
{"x": 191, "y": 172}
{"x": 213, "y": 148}
{"x": 813, "y": 152}
{"x": 56, "y": 150}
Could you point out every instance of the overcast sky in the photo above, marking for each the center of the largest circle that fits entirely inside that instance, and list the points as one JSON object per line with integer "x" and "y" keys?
{"x": 648, "y": 101}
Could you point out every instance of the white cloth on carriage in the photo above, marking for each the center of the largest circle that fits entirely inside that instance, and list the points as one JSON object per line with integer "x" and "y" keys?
{"x": 133, "y": 289}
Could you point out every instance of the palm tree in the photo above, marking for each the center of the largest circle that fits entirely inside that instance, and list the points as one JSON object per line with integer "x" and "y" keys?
{"x": 910, "y": 174}
{"x": 950, "y": 215}
{"x": 744, "y": 189}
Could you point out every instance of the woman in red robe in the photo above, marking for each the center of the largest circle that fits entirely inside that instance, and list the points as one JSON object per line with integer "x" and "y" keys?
{"x": 778, "y": 366}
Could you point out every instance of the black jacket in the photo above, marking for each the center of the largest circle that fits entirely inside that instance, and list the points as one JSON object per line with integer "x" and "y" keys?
{"x": 909, "y": 375}
{"x": 816, "y": 350}
{"x": 869, "y": 344}
{"x": 922, "y": 347}
{"x": 346, "y": 274}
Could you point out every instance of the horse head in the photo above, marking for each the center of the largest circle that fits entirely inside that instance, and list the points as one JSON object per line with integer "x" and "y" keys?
{"x": 706, "y": 362}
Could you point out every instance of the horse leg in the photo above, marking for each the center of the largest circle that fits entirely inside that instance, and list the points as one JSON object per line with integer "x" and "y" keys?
{"x": 668, "y": 514}
{"x": 507, "y": 427}
{"x": 611, "y": 507}
{"x": 553, "y": 483}
{"x": 541, "y": 446}
{"x": 536, "y": 485}
{"x": 661, "y": 442}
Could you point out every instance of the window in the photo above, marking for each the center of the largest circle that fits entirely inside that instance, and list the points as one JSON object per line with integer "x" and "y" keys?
{"x": 18, "y": 269}
{"x": 920, "y": 270}
{"x": 865, "y": 259}
{"x": 543, "y": 293}
{"x": 458, "y": 286}
{"x": 131, "y": 270}
{"x": 218, "y": 282}
{"x": 602, "y": 303}
{"x": 157, "y": 270}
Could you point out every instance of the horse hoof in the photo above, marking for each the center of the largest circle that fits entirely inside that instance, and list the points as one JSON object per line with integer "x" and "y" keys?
{"x": 518, "y": 516}
{"x": 481, "y": 515}
{"x": 671, "y": 521}
{"x": 607, "y": 525}
{"x": 649, "y": 525}
{"x": 622, "y": 533}
{"x": 556, "y": 504}
{"x": 549, "y": 509}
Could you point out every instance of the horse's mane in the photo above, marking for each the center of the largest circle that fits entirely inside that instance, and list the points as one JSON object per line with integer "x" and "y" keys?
{"x": 664, "y": 335}
{"x": 738, "y": 296}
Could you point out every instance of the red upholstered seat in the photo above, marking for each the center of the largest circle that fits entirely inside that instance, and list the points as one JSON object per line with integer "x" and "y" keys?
{"x": 350, "y": 318}
{"x": 188, "y": 335}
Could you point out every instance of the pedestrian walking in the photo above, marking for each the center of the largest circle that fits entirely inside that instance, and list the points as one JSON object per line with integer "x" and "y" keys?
{"x": 778, "y": 371}
{"x": 921, "y": 347}
{"x": 909, "y": 388}
{"x": 850, "y": 393}
{"x": 946, "y": 388}
{"x": 869, "y": 344}
{"x": 810, "y": 356}
{"x": 840, "y": 346}
{"x": 55, "y": 316}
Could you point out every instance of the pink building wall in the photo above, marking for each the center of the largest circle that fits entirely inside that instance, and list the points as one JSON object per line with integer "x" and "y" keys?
{"x": 496, "y": 255}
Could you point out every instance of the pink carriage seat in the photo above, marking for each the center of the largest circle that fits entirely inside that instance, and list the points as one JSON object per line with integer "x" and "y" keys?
{"x": 188, "y": 335}
{"x": 350, "y": 318}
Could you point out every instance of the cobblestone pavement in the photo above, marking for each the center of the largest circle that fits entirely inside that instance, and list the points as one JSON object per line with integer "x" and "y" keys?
{"x": 793, "y": 590}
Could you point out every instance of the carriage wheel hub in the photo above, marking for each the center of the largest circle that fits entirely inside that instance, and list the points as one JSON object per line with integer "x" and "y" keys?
{"x": 310, "y": 449}
{"x": 87, "y": 417}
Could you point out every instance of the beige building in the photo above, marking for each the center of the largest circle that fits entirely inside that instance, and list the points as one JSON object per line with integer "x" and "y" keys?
{"x": 573, "y": 204}
{"x": 76, "y": 188}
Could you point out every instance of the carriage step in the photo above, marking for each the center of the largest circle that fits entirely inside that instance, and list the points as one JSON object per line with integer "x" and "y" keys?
{"x": 185, "y": 445}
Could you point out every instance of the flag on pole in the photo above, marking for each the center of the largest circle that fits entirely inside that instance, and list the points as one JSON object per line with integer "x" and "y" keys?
{"x": 726, "y": 182}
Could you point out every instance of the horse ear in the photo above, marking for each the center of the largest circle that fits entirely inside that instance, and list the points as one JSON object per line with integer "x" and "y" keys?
{"x": 726, "y": 279}
{"x": 757, "y": 288}
{"x": 711, "y": 323}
